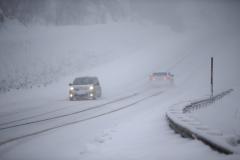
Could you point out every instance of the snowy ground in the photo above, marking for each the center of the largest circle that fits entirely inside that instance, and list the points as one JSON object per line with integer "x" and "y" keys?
{"x": 226, "y": 116}
{"x": 128, "y": 122}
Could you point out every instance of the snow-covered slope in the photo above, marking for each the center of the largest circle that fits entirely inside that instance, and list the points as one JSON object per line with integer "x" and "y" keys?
{"x": 37, "y": 56}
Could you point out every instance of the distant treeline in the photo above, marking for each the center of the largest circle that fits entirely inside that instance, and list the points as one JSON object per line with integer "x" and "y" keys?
{"x": 62, "y": 12}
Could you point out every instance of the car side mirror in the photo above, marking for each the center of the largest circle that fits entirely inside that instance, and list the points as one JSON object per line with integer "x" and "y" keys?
{"x": 70, "y": 84}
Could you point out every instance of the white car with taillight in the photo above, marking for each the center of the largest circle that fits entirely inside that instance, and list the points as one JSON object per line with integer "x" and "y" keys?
{"x": 162, "y": 78}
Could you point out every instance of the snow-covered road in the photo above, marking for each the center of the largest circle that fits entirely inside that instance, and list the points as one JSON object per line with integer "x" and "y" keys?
{"x": 127, "y": 126}
{"x": 20, "y": 127}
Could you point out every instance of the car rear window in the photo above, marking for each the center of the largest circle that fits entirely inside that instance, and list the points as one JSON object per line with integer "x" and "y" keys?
{"x": 160, "y": 74}
{"x": 163, "y": 74}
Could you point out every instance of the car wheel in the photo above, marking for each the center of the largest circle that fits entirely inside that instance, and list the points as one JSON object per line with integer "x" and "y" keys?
{"x": 94, "y": 97}
{"x": 71, "y": 98}
{"x": 99, "y": 94}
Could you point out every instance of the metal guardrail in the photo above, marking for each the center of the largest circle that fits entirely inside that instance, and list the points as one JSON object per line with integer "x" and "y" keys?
{"x": 205, "y": 102}
{"x": 187, "y": 132}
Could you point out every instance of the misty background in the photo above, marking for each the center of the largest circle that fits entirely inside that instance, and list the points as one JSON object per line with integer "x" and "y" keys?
{"x": 41, "y": 41}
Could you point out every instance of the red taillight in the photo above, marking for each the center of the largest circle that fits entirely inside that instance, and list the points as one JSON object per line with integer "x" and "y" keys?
{"x": 168, "y": 78}
{"x": 152, "y": 78}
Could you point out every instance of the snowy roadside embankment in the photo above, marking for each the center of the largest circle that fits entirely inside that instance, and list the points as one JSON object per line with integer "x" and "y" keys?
{"x": 223, "y": 115}
{"x": 182, "y": 120}
{"x": 36, "y": 56}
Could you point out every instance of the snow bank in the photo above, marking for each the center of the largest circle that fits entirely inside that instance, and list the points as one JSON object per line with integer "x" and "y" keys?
{"x": 181, "y": 118}
{"x": 226, "y": 117}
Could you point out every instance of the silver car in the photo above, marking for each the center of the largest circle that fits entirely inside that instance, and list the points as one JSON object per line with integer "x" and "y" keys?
{"x": 85, "y": 88}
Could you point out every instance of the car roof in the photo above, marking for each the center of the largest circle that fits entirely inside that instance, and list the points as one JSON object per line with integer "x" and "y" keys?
{"x": 162, "y": 74}
{"x": 86, "y": 79}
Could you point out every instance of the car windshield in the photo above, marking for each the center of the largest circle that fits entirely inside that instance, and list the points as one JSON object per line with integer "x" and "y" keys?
{"x": 84, "y": 81}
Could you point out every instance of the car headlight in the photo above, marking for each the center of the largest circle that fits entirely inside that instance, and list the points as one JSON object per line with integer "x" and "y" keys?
{"x": 71, "y": 88}
{"x": 91, "y": 88}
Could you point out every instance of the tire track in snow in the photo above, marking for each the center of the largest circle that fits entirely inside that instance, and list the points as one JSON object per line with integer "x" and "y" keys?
{"x": 81, "y": 120}
{"x": 63, "y": 115}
